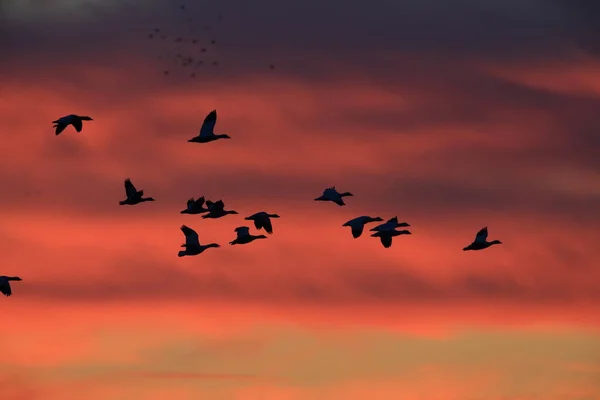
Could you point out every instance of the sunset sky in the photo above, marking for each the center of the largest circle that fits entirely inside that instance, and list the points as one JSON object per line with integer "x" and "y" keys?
{"x": 451, "y": 115}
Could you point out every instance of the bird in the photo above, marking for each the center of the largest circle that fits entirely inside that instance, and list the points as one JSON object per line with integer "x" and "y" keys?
{"x": 263, "y": 220}
{"x": 207, "y": 133}
{"x": 195, "y": 206}
{"x": 331, "y": 194}
{"x": 357, "y": 224}
{"x": 217, "y": 209}
{"x": 71, "y": 119}
{"x": 5, "y": 284}
{"x": 134, "y": 196}
{"x": 387, "y": 235}
{"x": 244, "y": 236}
{"x": 391, "y": 223}
{"x": 192, "y": 244}
{"x": 481, "y": 242}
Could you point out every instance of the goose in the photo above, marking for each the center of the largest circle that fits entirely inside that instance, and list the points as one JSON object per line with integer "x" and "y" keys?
{"x": 391, "y": 223}
{"x": 481, "y": 242}
{"x": 357, "y": 224}
{"x": 217, "y": 209}
{"x": 192, "y": 244}
{"x": 387, "y": 235}
{"x": 263, "y": 220}
{"x": 134, "y": 196}
{"x": 207, "y": 133}
{"x": 195, "y": 206}
{"x": 244, "y": 236}
{"x": 5, "y": 284}
{"x": 331, "y": 194}
{"x": 71, "y": 119}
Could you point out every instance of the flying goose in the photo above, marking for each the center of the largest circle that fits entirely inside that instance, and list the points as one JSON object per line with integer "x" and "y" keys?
{"x": 357, "y": 224}
{"x": 192, "y": 244}
{"x": 390, "y": 224}
{"x": 207, "y": 133}
{"x": 263, "y": 220}
{"x": 480, "y": 241}
{"x": 387, "y": 235}
{"x": 195, "y": 206}
{"x": 217, "y": 209}
{"x": 71, "y": 119}
{"x": 331, "y": 194}
{"x": 5, "y": 284}
{"x": 134, "y": 196}
{"x": 244, "y": 236}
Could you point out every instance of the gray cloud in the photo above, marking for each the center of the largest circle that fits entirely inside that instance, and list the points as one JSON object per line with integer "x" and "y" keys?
{"x": 289, "y": 33}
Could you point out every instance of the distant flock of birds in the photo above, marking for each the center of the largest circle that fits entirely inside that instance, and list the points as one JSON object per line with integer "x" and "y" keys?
{"x": 262, "y": 220}
{"x": 195, "y": 55}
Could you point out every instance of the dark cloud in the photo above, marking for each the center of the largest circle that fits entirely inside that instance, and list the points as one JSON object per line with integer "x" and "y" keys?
{"x": 297, "y": 35}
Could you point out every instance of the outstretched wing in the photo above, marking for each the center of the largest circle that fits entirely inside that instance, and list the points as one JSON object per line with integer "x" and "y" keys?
{"x": 199, "y": 202}
{"x": 357, "y": 230}
{"x": 5, "y": 287}
{"x": 481, "y": 235}
{"x": 218, "y": 205}
{"x": 242, "y": 231}
{"x": 392, "y": 220}
{"x": 59, "y": 128}
{"x": 266, "y": 223}
{"x": 208, "y": 126}
{"x": 130, "y": 190}
{"x": 191, "y": 237}
{"x": 386, "y": 241}
{"x": 77, "y": 124}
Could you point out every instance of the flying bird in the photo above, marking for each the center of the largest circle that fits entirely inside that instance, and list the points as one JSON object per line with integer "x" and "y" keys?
{"x": 263, "y": 220}
{"x": 331, "y": 194}
{"x": 207, "y": 133}
{"x": 71, "y": 119}
{"x": 192, "y": 244}
{"x": 357, "y": 224}
{"x": 244, "y": 236}
{"x": 387, "y": 235}
{"x": 134, "y": 196}
{"x": 5, "y": 284}
{"x": 195, "y": 206}
{"x": 391, "y": 223}
{"x": 217, "y": 209}
{"x": 481, "y": 242}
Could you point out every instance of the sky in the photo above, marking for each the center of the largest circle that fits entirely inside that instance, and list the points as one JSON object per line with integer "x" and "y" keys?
{"x": 450, "y": 115}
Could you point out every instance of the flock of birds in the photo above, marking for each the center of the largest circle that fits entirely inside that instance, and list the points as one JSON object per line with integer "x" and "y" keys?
{"x": 262, "y": 220}
{"x": 191, "y": 49}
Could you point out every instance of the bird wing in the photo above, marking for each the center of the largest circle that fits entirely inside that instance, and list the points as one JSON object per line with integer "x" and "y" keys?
{"x": 338, "y": 200}
{"x": 208, "y": 126}
{"x": 357, "y": 230}
{"x": 191, "y": 237}
{"x": 392, "y": 220}
{"x": 218, "y": 205}
{"x": 258, "y": 223}
{"x": 59, "y": 128}
{"x": 386, "y": 241}
{"x": 78, "y": 124}
{"x": 481, "y": 235}
{"x": 266, "y": 223}
{"x": 199, "y": 202}
{"x": 130, "y": 190}
{"x": 242, "y": 231}
{"x": 5, "y": 287}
